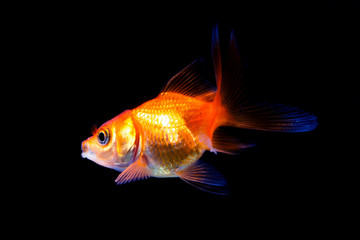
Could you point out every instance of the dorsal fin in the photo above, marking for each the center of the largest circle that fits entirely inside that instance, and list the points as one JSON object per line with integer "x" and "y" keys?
{"x": 190, "y": 82}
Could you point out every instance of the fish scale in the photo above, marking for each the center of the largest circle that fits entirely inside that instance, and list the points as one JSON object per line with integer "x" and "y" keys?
{"x": 168, "y": 123}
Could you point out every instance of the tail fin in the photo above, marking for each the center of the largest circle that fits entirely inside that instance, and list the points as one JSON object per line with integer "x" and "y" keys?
{"x": 240, "y": 112}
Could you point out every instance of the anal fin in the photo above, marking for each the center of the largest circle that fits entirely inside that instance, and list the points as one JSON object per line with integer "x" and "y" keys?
{"x": 204, "y": 177}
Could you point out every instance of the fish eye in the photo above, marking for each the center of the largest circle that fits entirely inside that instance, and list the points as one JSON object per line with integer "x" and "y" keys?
{"x": 103, "y": 137}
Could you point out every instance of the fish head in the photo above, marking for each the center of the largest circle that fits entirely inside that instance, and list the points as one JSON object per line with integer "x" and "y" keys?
{"x": 115, "y": 144}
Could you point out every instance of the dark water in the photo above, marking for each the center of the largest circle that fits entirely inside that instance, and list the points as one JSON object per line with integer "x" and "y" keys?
{"x": 298, "y": 54}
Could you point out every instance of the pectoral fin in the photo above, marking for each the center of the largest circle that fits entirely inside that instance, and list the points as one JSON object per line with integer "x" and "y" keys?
{"x": 204, "y": 177}
{"x": 136, "y": 171}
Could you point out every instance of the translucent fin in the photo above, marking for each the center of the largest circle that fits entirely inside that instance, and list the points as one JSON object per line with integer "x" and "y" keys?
{"x": 274, "y": 117}
{"x": 229, "y": 77}
{"x": 204, "y": 177}
{"x": 136, "y": 171}
{"x": 225, "y": 142}
{"x": 232, "y": 90}
{"x": 239, "y": 112}
{"x": 216, "y": 55}
{"x": 190, "y": 82}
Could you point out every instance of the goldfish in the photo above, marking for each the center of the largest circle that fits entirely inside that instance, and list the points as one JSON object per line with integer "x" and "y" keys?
{"x": 166, "y": 136}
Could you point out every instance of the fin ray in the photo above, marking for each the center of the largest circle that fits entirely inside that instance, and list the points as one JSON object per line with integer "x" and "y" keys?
{"x": 274, "y": 117}
{"x": 223, "y": 141}
{"x": 239, "y": 111}
{"x": 204, "y": 177}
{"x": 216, "y": 55}
{"x": 136, "y": 171}
{"x": 190, "y": 82}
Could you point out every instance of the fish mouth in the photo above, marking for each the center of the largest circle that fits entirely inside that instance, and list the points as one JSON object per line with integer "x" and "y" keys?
{"x": 89, "y": 154}
{"x": 93, "y": 157}
{"x": 86, "y": 151}
{"x": 84, "y": 146}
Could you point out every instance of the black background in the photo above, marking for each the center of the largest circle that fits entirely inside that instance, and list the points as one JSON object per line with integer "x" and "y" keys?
{"x": 99, "y": 60}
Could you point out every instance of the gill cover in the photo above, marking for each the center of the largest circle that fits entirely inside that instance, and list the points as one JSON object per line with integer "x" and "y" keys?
{"x": 127, "y": 139}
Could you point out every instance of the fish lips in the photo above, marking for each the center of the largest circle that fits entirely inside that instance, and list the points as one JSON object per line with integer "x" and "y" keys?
{"x": 86, "y": 151}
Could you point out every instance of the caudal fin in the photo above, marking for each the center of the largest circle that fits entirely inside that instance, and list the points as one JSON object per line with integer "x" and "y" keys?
{"x": 239, "y": 111}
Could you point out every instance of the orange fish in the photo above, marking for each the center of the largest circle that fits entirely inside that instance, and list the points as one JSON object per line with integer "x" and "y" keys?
{"x": 166, "y": 136}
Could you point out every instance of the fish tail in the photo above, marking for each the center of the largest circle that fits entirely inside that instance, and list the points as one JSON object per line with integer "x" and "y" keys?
{"x": 236, "y": 110}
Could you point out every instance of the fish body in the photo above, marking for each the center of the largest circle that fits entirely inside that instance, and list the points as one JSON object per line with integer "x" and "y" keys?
{"x": 171, "y": 125}
{"x": 166, "y": 136}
